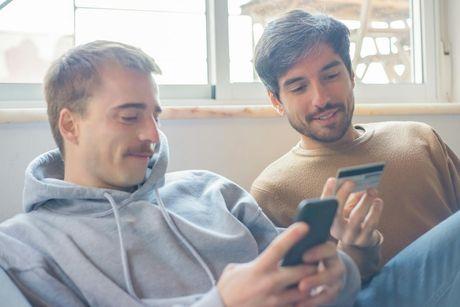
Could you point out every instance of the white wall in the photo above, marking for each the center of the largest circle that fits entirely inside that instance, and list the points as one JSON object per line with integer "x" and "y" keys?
{"x": 236, "y": 148}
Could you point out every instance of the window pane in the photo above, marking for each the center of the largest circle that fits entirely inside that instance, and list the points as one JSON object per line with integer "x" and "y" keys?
{"x": 177, "y": 40}
{"x": 184, "y": 6}
{"x": 32, "y": 34}
{"x": 388, "y": 53}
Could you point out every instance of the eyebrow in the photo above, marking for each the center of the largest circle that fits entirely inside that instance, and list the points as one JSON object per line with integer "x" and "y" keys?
{"x": 330, "y": 65}
{"x": 137, "y": 105}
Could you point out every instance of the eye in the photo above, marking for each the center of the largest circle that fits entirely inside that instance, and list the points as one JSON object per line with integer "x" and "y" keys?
{"x": 299, "y": 89}
{"x": 332, "y": 76}
{"x": 129, "y": 118}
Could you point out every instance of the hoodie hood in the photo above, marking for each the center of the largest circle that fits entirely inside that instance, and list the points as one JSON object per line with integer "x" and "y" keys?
{"x": 44, "y": 183}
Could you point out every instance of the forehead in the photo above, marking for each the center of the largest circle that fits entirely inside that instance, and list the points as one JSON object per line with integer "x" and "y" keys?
{"x": 120, "y": 85}
{"x": 313, "y": 63}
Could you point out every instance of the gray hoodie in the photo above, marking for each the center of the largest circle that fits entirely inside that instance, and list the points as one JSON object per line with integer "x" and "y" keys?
{"x": 79, "y": 246}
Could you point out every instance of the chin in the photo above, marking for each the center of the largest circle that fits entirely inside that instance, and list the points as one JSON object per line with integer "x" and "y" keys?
{"x": 134, "y": 182}
{"x": 129, "y": 182}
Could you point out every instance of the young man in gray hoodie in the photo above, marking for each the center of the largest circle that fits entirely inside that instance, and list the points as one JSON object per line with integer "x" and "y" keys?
{"x": 104, "y": 225}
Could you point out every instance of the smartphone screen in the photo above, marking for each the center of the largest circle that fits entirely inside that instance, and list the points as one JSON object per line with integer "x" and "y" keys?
{"x": 319, "y": 215}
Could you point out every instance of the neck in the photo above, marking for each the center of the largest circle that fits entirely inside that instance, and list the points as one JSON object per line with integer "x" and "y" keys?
{"x": 77, "y": 174}
{"x": 311, "y": 144}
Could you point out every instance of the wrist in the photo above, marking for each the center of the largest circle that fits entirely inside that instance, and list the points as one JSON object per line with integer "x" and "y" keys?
{"x": 376, "y": 239}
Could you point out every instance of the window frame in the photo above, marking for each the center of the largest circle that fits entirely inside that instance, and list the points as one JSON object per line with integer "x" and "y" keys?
{"x": 220, "y": 90}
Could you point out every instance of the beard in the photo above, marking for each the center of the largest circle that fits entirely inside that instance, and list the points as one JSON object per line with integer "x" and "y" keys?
{"x": 325, "y": 134}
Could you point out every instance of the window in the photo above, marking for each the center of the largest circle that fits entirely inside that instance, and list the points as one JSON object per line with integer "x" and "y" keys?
{"x": 205, "y": 47}
{"x": 31, "y": 36}
{"x": 383, "y": 43}
{"x": 392, "y": 51}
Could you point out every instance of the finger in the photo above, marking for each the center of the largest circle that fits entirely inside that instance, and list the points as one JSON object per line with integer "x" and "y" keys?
{"x": 351, "y": 203}
{"x": 371, "y": 222}
{"x": 320, "y": 252}
{"x": 281, "y": 245}
{"x": 287, "y": 297}
{"x": 331, "y": 275}
{"x": 343, "y": 192}
{"x": 329, "y": 187}
{"x": 358, "y": 214}
{"x": 356, "y": 219}
{"x": 327, "y": 296}
{"x": 288, "y": 276}
{"x": 373, "y": 217}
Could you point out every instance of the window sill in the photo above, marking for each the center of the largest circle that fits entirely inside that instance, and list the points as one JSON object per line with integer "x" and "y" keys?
{"x": 250, "y": 111}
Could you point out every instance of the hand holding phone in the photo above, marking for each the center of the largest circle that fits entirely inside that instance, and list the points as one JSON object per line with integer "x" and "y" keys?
{"x": 319, "y": 215}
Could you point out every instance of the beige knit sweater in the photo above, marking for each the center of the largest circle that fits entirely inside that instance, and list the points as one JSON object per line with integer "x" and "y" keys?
{"x": 420, "y": 185}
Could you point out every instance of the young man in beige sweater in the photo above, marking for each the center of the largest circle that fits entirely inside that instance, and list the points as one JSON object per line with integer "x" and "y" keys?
{"x": 304, "y": 62}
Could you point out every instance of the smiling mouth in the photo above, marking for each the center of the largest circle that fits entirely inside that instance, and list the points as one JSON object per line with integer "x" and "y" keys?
{"x": 326, "y": 115}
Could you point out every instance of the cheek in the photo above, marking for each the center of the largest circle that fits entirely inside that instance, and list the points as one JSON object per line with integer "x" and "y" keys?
{"x": 342, "y": 90}
{"x": 298, "y": 105}
{"x": 100, "y": 145}
{"x": 304, "y": 108}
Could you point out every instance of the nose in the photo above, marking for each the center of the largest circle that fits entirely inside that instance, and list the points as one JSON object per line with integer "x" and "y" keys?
{"x": 149, "y": 131}
{"x": 320, "y": 95}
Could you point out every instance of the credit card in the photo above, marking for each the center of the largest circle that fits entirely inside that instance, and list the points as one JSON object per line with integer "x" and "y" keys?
{"x": 364, "y": 176}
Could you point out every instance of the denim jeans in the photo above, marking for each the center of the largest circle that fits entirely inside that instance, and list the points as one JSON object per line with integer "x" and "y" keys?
{"x": 426, "y": 273}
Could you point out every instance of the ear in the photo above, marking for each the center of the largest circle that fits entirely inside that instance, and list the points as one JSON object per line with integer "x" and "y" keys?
{"x": 276, "y": 103}
{"x": 68, "y": 125}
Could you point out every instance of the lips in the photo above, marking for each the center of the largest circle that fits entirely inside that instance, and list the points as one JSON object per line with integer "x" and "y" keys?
{"x": 326, "y": 114}
{"x": 141, "y": 154}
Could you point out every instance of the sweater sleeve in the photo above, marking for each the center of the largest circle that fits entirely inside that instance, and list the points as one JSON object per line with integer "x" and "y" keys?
{"x": 448, "y": 165}
{"x": 271, "y": 204}
{"x": 367, "y": 259}
{"x": 351, "y": 283}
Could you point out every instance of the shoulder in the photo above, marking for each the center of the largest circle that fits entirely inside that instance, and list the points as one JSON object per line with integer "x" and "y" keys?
{"x": 16, "y": 243}
{"x": 209, "y": 191}
{"x": 200, "y": 182}
{"x": 403, "y": 130}
{"x": 197, "y": 178}
{"x": 279, "y": 171}
{"x": 392, "y": 126}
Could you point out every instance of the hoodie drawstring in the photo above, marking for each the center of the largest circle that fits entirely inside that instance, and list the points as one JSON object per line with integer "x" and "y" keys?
{"x": 124, "y": 256}
{"x": 184, "y": 241}
{"x": 174, "y": 229}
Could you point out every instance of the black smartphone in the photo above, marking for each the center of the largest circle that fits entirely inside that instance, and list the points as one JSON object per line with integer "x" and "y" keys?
{"x": 319, "y": 215}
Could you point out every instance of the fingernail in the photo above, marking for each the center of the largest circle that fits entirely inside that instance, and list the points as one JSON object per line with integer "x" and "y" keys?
{"x": 302, "y": 226}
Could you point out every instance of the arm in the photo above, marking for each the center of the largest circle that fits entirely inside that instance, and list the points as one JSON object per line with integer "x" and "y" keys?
{"x": 272, "y": 205}
{"x": 448, "y": 165}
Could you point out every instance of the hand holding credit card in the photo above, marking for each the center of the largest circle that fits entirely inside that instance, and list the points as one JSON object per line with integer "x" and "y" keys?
{"x": 364, "y": 176}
